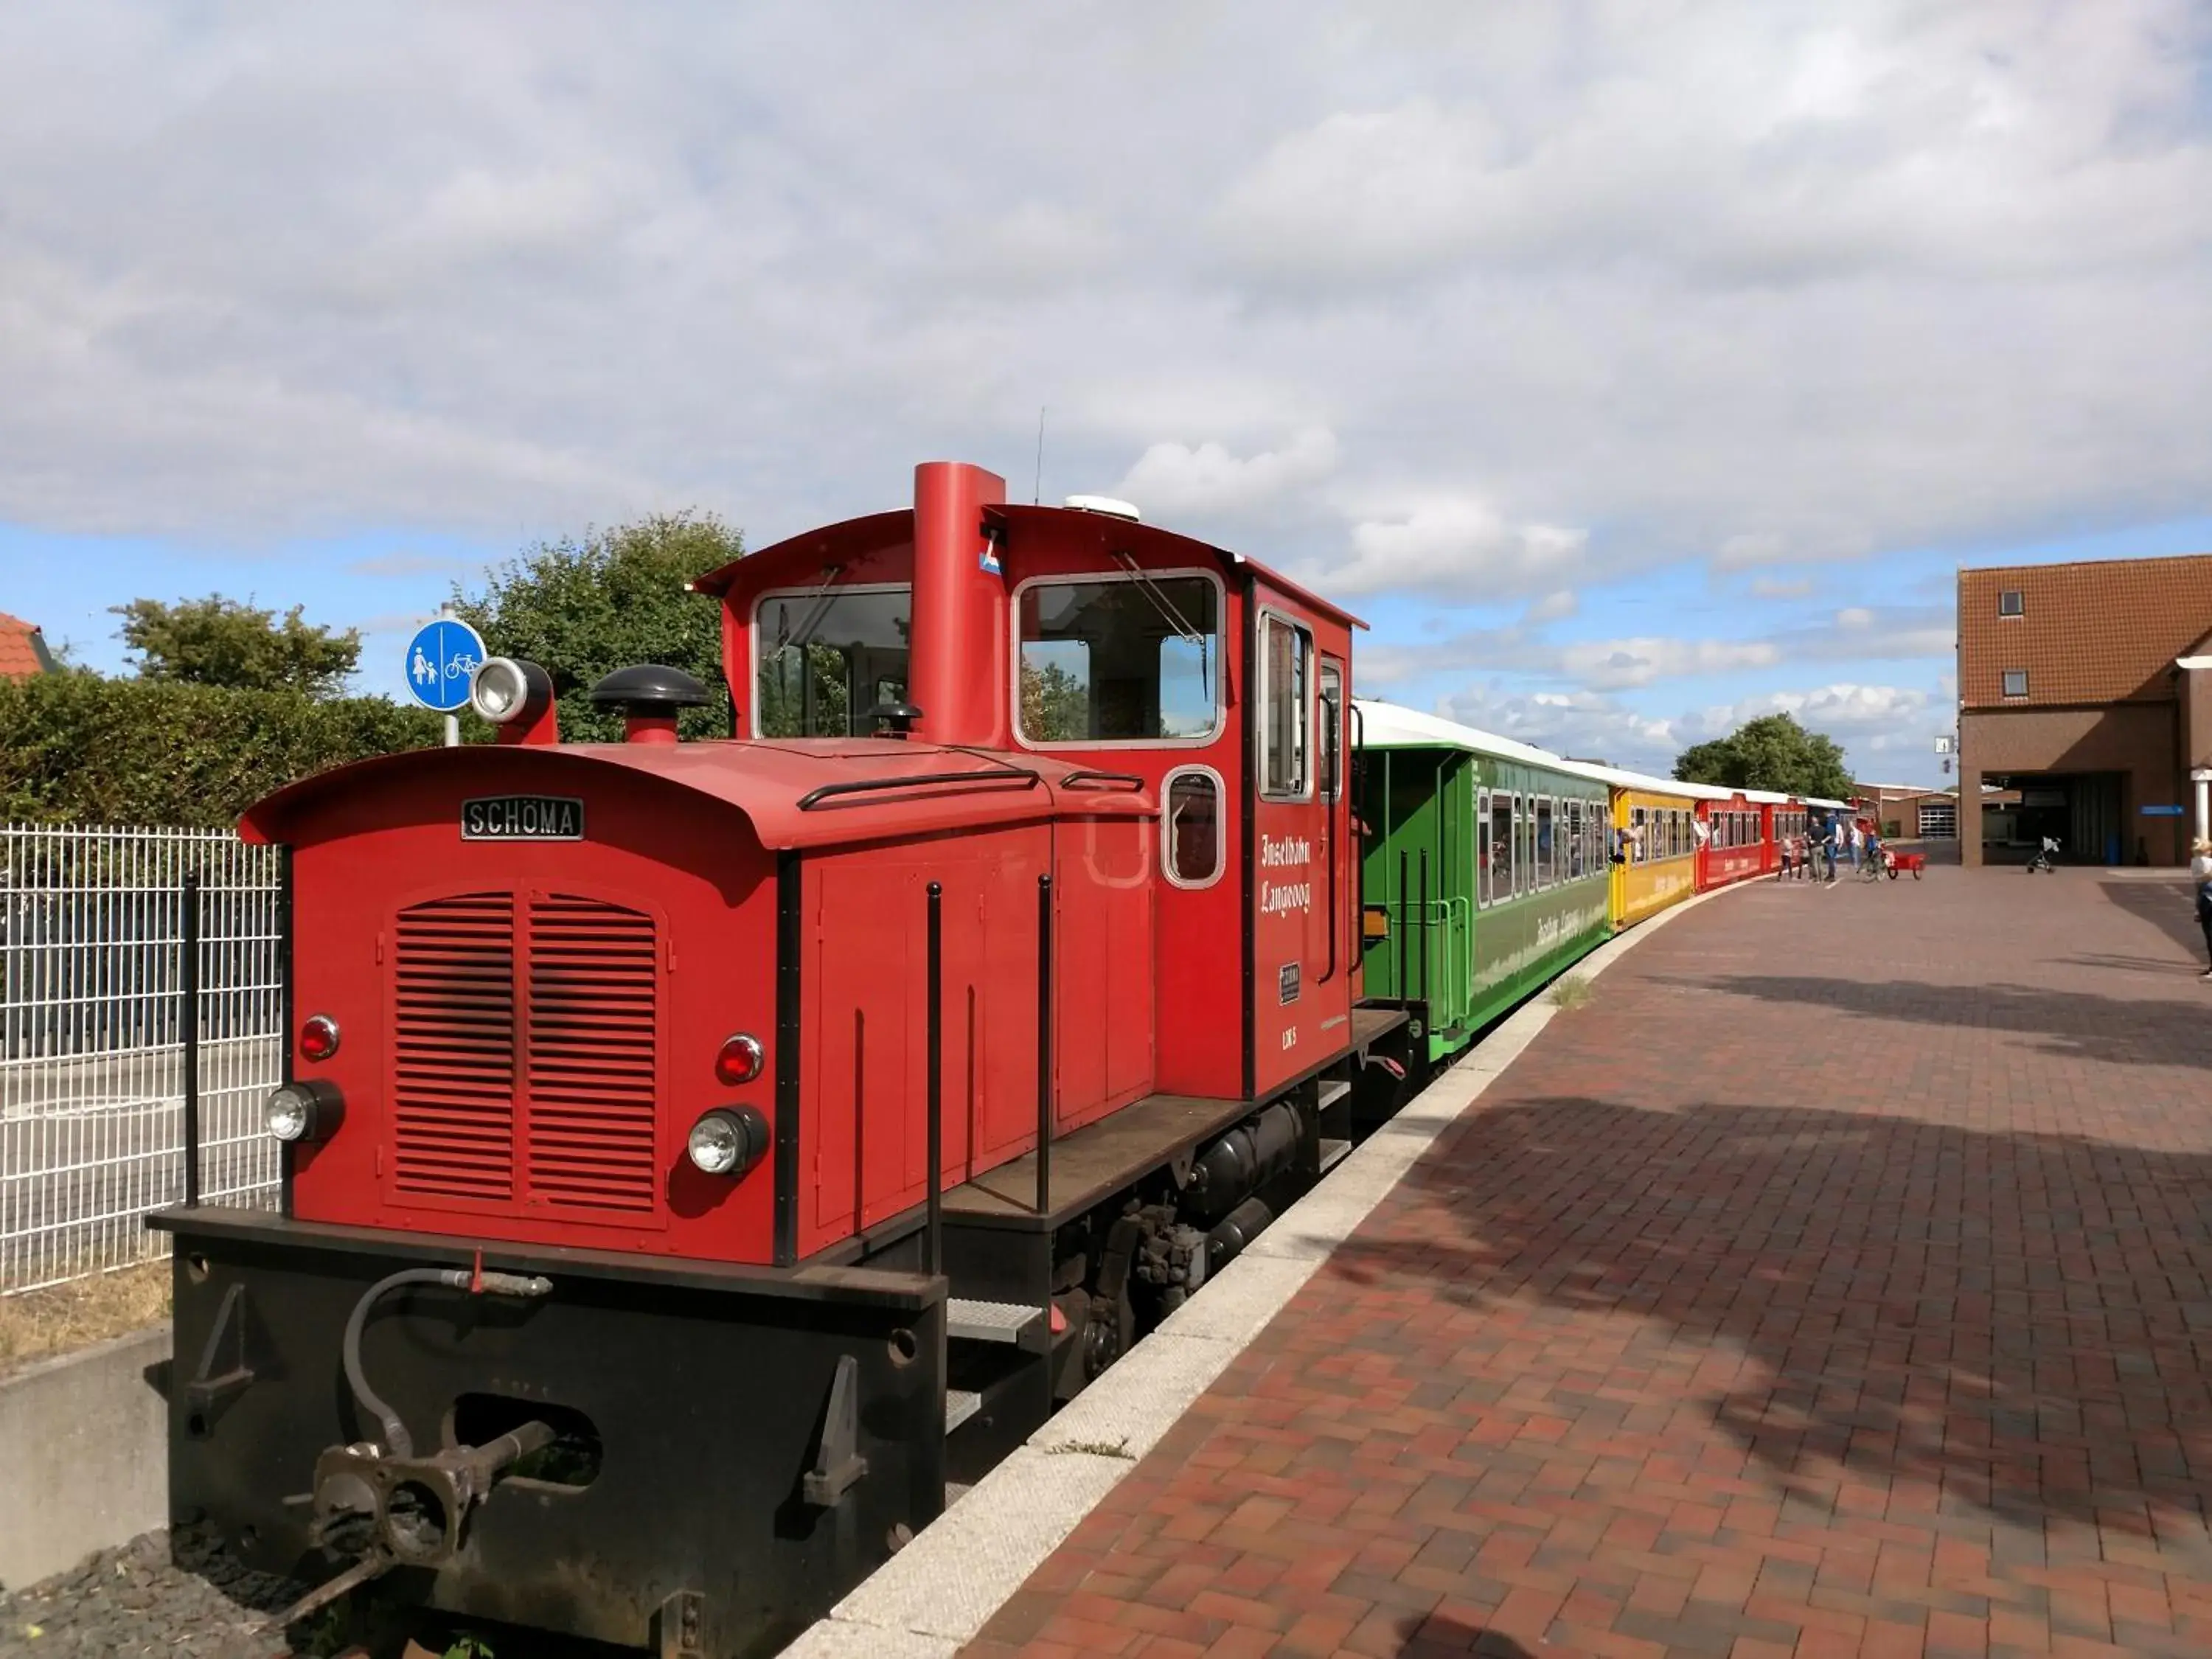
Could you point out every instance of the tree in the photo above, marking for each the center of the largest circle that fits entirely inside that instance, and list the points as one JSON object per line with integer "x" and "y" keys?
{"x": 80, "y": 749}
{"x": 1056, "y": 704}
{"x": 219, "y": 641}
{"x": 1772, "y": 752}
{"x": 581, "y": 610}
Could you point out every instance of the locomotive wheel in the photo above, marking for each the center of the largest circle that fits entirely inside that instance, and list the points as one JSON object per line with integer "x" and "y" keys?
{"x": 1915, "y": 875}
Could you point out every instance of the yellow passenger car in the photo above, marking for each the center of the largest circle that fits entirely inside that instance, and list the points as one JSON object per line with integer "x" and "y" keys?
{"x": 1655, "y": 825}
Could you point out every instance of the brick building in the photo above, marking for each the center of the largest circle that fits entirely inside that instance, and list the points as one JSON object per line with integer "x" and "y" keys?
{"x": 1909, "y": 811}
{"x": 22, "y": 649}
{"x": 2087, "y": 688}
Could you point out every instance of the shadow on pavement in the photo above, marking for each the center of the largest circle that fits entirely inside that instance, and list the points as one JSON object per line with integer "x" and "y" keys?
{"x": 2012, "y": 1318}
{"x": 2072, "y": 1023}
{"x": 2167, "y": 906}
{"x": 1438, "y": 1635}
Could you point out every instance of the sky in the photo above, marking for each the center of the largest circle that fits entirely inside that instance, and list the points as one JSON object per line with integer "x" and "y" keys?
{"x": 1634, "y": 369}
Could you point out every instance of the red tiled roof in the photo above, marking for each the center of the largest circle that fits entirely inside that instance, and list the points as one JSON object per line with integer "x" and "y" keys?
{"x": 2103, "y": 630}
{"x": 23, "y": 653}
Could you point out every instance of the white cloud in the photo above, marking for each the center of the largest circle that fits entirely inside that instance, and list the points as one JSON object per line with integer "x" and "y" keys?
{"x": 1552, "y": 607}
{"x": 1866, "y": 719}
{"x": 1571, "y": 293}
{"x": 1771, "y": 588}
{"x": 1613, "y": 664}
{"x": 1462, "y": 548}
{"x": 1856, "y": 618}
{"x": 1174, "y": 480}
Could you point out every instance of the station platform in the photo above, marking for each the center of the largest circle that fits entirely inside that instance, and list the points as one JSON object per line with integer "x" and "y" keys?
{"x": 1834, "y": 1282}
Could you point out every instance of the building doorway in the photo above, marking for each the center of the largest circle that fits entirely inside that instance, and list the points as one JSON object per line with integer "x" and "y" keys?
{"x": 2080, "y": 811}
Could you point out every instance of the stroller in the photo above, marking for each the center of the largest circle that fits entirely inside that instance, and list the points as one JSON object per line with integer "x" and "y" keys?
{"x": 2044, "y": 858}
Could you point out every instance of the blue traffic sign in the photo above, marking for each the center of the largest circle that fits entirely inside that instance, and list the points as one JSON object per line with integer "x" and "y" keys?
{"x": 441, "y": 660}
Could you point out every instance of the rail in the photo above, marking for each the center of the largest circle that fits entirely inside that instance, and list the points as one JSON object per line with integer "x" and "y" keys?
{"x": 933, "y": 1237}
{"x": 1021, "y": 775}
{"x": 1044, "y": 1045}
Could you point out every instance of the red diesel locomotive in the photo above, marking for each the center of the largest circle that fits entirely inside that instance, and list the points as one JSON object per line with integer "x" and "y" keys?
{"x": 698, "y": 1153}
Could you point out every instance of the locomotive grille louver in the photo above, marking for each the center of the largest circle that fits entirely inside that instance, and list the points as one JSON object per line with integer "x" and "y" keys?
{"x": 591, "y": 1075}
{"x": 525, "y": 1061}
{"x": 452, "y": 1049}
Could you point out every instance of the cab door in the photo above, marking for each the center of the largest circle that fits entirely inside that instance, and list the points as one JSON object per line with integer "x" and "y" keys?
{"x": 1301, "y": 1009}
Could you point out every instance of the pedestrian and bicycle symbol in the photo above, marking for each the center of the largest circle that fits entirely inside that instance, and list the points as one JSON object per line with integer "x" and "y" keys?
{"x": 441, "y": 660}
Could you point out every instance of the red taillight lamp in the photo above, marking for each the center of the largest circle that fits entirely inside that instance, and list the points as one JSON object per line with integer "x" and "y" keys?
{"x": 318, "y": 1038}
{"x": 739, "y": 1061}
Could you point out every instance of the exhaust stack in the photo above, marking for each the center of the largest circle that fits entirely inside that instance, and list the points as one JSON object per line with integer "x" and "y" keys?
{"x": 956, "y": 672}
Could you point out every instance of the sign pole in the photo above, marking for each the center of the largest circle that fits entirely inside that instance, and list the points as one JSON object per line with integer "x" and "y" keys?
{"x": 453, "y": 721}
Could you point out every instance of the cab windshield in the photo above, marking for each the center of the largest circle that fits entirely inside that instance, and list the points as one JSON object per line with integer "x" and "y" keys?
{"x": 828, "y": 657}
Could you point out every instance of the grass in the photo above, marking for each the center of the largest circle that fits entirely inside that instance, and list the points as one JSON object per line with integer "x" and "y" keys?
{"x": 1095, "y": 1448}
{"x": 1572, "y": 992}
{"x": 37, "y": 1325}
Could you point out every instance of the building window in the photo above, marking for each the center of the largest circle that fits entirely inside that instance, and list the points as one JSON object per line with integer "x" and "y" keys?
{"x": 1196, "y": 837}
{"x": 2015, "y": 681}
{"x": 2012, "y": 602}
{"x": 1112, "y": 659}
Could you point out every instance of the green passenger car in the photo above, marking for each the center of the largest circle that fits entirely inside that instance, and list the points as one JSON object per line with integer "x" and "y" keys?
{"x": 1484, "y": 869}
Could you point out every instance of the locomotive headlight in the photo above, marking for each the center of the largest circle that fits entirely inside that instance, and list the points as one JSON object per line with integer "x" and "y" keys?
{"x": 506, "y": 689}
{"x": 728, "y": 1141}
{"x": 303, "y": 1111}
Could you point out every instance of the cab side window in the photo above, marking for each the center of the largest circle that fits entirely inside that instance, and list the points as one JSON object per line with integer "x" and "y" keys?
{"x": 1331, "y": 731}
{"x": 1191, "y": 827}
{"x": 1286, "y": 679}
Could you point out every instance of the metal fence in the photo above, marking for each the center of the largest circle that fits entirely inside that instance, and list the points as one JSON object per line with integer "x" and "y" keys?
{"x": 92, "y": 924}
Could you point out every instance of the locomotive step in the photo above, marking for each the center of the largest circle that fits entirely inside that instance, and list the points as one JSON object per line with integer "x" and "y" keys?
{"x": 988, "y": 1321}
{"x": 1334, "y": 1152}
{"x": 1331, "y": 1092}
{"x": 960, "y": 1405}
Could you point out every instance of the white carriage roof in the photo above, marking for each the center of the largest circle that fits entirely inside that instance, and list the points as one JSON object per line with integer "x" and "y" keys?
{"x": 1389, "y": 725}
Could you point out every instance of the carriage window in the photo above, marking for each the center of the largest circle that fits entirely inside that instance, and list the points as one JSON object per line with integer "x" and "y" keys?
{"x": 827, "y": 657}
{"x": 1285, "y": 654}
{"x": 1483, "y": 842}
{"x": 1574, "y": 841}
{"x": 1544, "y": 875}
{"x": 1501, "y": 846}
{"x": 1118, "y": 661}
{"x": 1331, "y": 731}
{"x": 1192, "y": 827}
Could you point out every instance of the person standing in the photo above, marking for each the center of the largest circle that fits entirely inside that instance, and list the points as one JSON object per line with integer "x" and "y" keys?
{"x": 2200, "y": 875}
{"x": 1783, "y": 851}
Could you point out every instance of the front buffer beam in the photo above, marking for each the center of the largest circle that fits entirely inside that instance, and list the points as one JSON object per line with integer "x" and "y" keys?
{"x": 731, "y": 1448}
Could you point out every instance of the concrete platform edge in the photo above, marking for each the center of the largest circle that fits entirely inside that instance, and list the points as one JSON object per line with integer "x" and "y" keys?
{"x": 936, "y": 1595}
{"x": 84, "y": 1458}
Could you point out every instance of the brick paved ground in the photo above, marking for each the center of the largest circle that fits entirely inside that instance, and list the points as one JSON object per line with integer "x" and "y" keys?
{"x": 1834, "y": 1284}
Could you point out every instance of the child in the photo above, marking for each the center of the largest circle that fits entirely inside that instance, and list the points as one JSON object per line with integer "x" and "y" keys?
{"x": 2200, "y": 876}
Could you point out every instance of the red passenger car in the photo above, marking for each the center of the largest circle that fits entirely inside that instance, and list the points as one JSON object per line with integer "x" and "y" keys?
{"x": 697, "y": 1151}
{"x": 1736, "y": 843}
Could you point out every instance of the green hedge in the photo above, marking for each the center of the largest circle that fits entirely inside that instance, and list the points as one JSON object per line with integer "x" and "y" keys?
{"x": 78, "y": 749}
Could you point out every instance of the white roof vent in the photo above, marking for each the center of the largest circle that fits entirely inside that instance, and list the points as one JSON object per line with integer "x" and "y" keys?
{"x": 1106, "y": 505}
